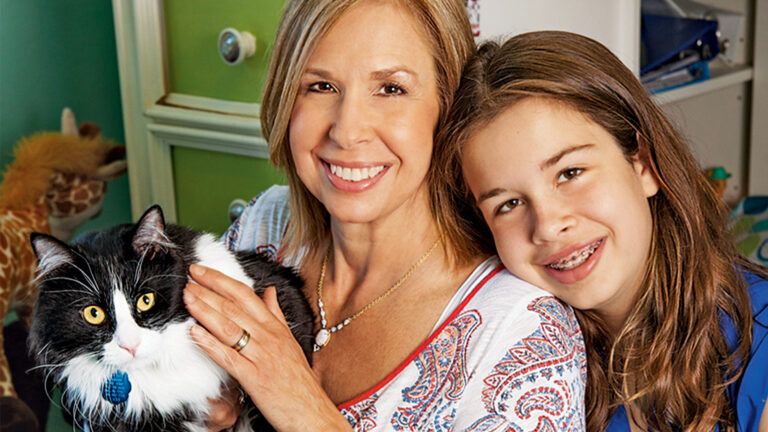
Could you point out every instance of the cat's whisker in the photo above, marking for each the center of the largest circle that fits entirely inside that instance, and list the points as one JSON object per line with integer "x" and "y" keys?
{"x": 137, "y": 273}
{"x": 89, "y": 290}
{"x": 92, "y": 279}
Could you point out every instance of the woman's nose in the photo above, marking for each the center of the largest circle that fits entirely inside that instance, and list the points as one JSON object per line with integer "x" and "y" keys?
{"x": 352, "y": 122}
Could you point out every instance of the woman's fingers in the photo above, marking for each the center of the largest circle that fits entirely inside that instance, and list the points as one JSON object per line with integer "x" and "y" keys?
{"x": 270, "y": 301}
{"x": 221, "y": 316}
{"x": 235, "y": 291}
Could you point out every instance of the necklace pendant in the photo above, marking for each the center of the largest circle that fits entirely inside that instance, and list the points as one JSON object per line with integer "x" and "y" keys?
{"x": 322, "y": 338}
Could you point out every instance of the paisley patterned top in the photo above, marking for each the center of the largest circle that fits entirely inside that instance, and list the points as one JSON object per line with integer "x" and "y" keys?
{"x": 504, "y": 355}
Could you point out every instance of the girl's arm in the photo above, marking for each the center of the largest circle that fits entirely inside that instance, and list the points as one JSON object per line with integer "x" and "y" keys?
{"x": 271, "y": 367}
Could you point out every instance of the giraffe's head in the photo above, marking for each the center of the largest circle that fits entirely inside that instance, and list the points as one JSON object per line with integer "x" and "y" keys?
{"x": 75, "y": 198}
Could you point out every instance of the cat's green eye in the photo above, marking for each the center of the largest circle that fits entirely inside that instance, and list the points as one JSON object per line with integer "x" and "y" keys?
{"x": 146, "y": 302}
{"x": 94, "y": 315}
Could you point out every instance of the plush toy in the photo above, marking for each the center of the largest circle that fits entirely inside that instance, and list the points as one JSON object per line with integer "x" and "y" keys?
{"x": 718, "y": 178}
{"x": 56, "y": 182}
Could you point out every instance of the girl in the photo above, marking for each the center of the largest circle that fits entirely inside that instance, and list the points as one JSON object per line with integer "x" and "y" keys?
{"x": 590, "y": 193}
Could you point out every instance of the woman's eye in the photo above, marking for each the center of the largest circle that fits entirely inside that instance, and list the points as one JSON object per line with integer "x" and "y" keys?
{"x": 508, "y": 206}
{"x": 321, "y": 87}
{"x": 145, "y": 302}
{"x": 392, "y": 89}
{"x": 569, "y": 174}
{"x": 94, "y": 315}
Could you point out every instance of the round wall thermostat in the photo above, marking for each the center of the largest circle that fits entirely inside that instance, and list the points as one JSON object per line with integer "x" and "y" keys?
{"x": 235, "y": 46}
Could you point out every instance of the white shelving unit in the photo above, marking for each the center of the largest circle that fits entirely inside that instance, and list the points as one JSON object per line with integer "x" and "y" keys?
{"x": 725, "y": 118}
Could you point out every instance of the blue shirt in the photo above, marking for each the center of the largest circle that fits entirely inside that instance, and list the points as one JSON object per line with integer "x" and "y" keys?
{"x": 750, "y": 393}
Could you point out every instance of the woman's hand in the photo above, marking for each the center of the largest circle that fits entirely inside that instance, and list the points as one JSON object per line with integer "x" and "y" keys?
{"x": 270, "y": 366}
{"x": 224, "y": 411}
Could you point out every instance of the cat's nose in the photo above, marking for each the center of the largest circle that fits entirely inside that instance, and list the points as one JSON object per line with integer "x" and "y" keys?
{"x": 130, "y": 348}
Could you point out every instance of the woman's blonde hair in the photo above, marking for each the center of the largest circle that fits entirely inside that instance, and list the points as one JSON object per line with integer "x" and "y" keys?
{"x": 303, "y": 24}
{"x": 671, "y": 359}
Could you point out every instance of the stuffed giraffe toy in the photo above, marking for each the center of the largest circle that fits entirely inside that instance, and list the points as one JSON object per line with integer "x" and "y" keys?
{"x": 56, "y": 182}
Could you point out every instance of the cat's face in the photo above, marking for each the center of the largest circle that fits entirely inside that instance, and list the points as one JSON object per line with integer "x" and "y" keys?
{"x": 109, "y": 300}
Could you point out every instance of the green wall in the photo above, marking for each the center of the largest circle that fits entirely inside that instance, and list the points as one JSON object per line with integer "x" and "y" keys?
{"x": 55, "y": 54}
{"x": 206, "y": 182}
{"x": 192, "y": 28}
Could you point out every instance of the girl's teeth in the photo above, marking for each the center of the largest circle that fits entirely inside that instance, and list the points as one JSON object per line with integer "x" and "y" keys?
{"x": 576, "y": 259}
{"x": 355, "y": 174}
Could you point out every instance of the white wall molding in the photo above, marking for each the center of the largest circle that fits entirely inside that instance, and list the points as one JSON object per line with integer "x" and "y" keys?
{"x": 202, "y": 139}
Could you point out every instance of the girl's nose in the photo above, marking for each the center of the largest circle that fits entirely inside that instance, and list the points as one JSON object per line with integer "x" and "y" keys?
{"x": 550, "y": 222}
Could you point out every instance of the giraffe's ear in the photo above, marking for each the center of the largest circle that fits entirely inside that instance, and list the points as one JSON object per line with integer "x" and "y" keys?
{"x": 150, "y": 235}
{"x": 52, "y": 253}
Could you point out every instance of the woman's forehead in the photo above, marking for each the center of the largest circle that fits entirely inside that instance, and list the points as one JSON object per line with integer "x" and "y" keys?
{"x": 382, "y": 33}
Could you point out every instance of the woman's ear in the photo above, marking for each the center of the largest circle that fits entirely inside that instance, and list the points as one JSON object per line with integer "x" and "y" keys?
{"x": 641, "y": 162}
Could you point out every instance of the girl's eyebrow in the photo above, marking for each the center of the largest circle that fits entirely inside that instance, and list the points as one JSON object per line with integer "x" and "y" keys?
{"x": 489, "y": 194}
{"x": 562, "y": 153}
{"x": 544, "y": 165}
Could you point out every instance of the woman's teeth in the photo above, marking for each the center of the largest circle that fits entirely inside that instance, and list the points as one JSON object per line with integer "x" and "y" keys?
{"x": 577, "y": 258}
{"x": 355, "y": 174}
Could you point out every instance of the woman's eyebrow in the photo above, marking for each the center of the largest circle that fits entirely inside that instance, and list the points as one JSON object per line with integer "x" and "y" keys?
{"x": 322, "y": 73}
{"x": 388, "y": 72}
{"x": 562, "y": 153}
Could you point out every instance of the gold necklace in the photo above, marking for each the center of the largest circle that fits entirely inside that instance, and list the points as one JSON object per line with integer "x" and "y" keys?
{"x": 323, "y": 336}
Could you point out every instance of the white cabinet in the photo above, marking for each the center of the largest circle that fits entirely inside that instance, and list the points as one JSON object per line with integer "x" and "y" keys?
{"x": 725, "y": 118}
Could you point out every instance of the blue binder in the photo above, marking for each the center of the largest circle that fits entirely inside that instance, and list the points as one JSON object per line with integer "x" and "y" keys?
{"x": 667, "y": 38}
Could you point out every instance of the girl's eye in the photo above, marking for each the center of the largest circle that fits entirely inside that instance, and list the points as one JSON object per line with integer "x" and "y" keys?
{"x": 569, "y": 174}
{"x": 145, "y": 302}
{"x": 321, "y": 87}
{"x": 94, "y": 315}
{"x": 508, "y": 206}
{"x": 392, "y": 89}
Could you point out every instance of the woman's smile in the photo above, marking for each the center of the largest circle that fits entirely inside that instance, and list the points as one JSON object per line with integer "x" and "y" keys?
{"x": 354, "y": 177}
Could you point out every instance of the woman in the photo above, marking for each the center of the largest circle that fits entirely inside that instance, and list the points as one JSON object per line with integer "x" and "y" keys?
{"x": 416, "y": 327}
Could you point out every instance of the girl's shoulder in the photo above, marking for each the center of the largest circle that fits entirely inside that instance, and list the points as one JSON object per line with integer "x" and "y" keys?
{"x": 751, "y": 390}
{"x": 262, "y": 224}
{"x": 758, "y": 293}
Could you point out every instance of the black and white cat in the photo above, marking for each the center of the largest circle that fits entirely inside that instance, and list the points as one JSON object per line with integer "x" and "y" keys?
{"x": 110, "y": 326}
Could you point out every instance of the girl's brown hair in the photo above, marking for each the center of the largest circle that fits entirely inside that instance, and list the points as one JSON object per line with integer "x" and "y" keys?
{"x": 670, "y": 360}
{"x": 446, "y": 28}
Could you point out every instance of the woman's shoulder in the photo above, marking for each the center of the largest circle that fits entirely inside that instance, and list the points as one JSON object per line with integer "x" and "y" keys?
{"x": 510, "y": 313}
{"x": 517, "y": 300}
{"x": 262, "y": 224}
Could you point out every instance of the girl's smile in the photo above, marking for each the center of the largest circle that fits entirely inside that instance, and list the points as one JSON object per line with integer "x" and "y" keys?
{"x": 571, "y": 267}
{"x": 568, "y": 210}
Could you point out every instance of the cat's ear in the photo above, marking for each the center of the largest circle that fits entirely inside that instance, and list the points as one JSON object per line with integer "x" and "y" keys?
{"x": 150, "y": 235}
{"x": 51, "y": 253}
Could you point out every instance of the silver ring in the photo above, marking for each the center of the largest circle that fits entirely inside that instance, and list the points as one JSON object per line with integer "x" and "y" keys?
{"x": 242, "y": 342}
{"x": 241, "y": 396}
